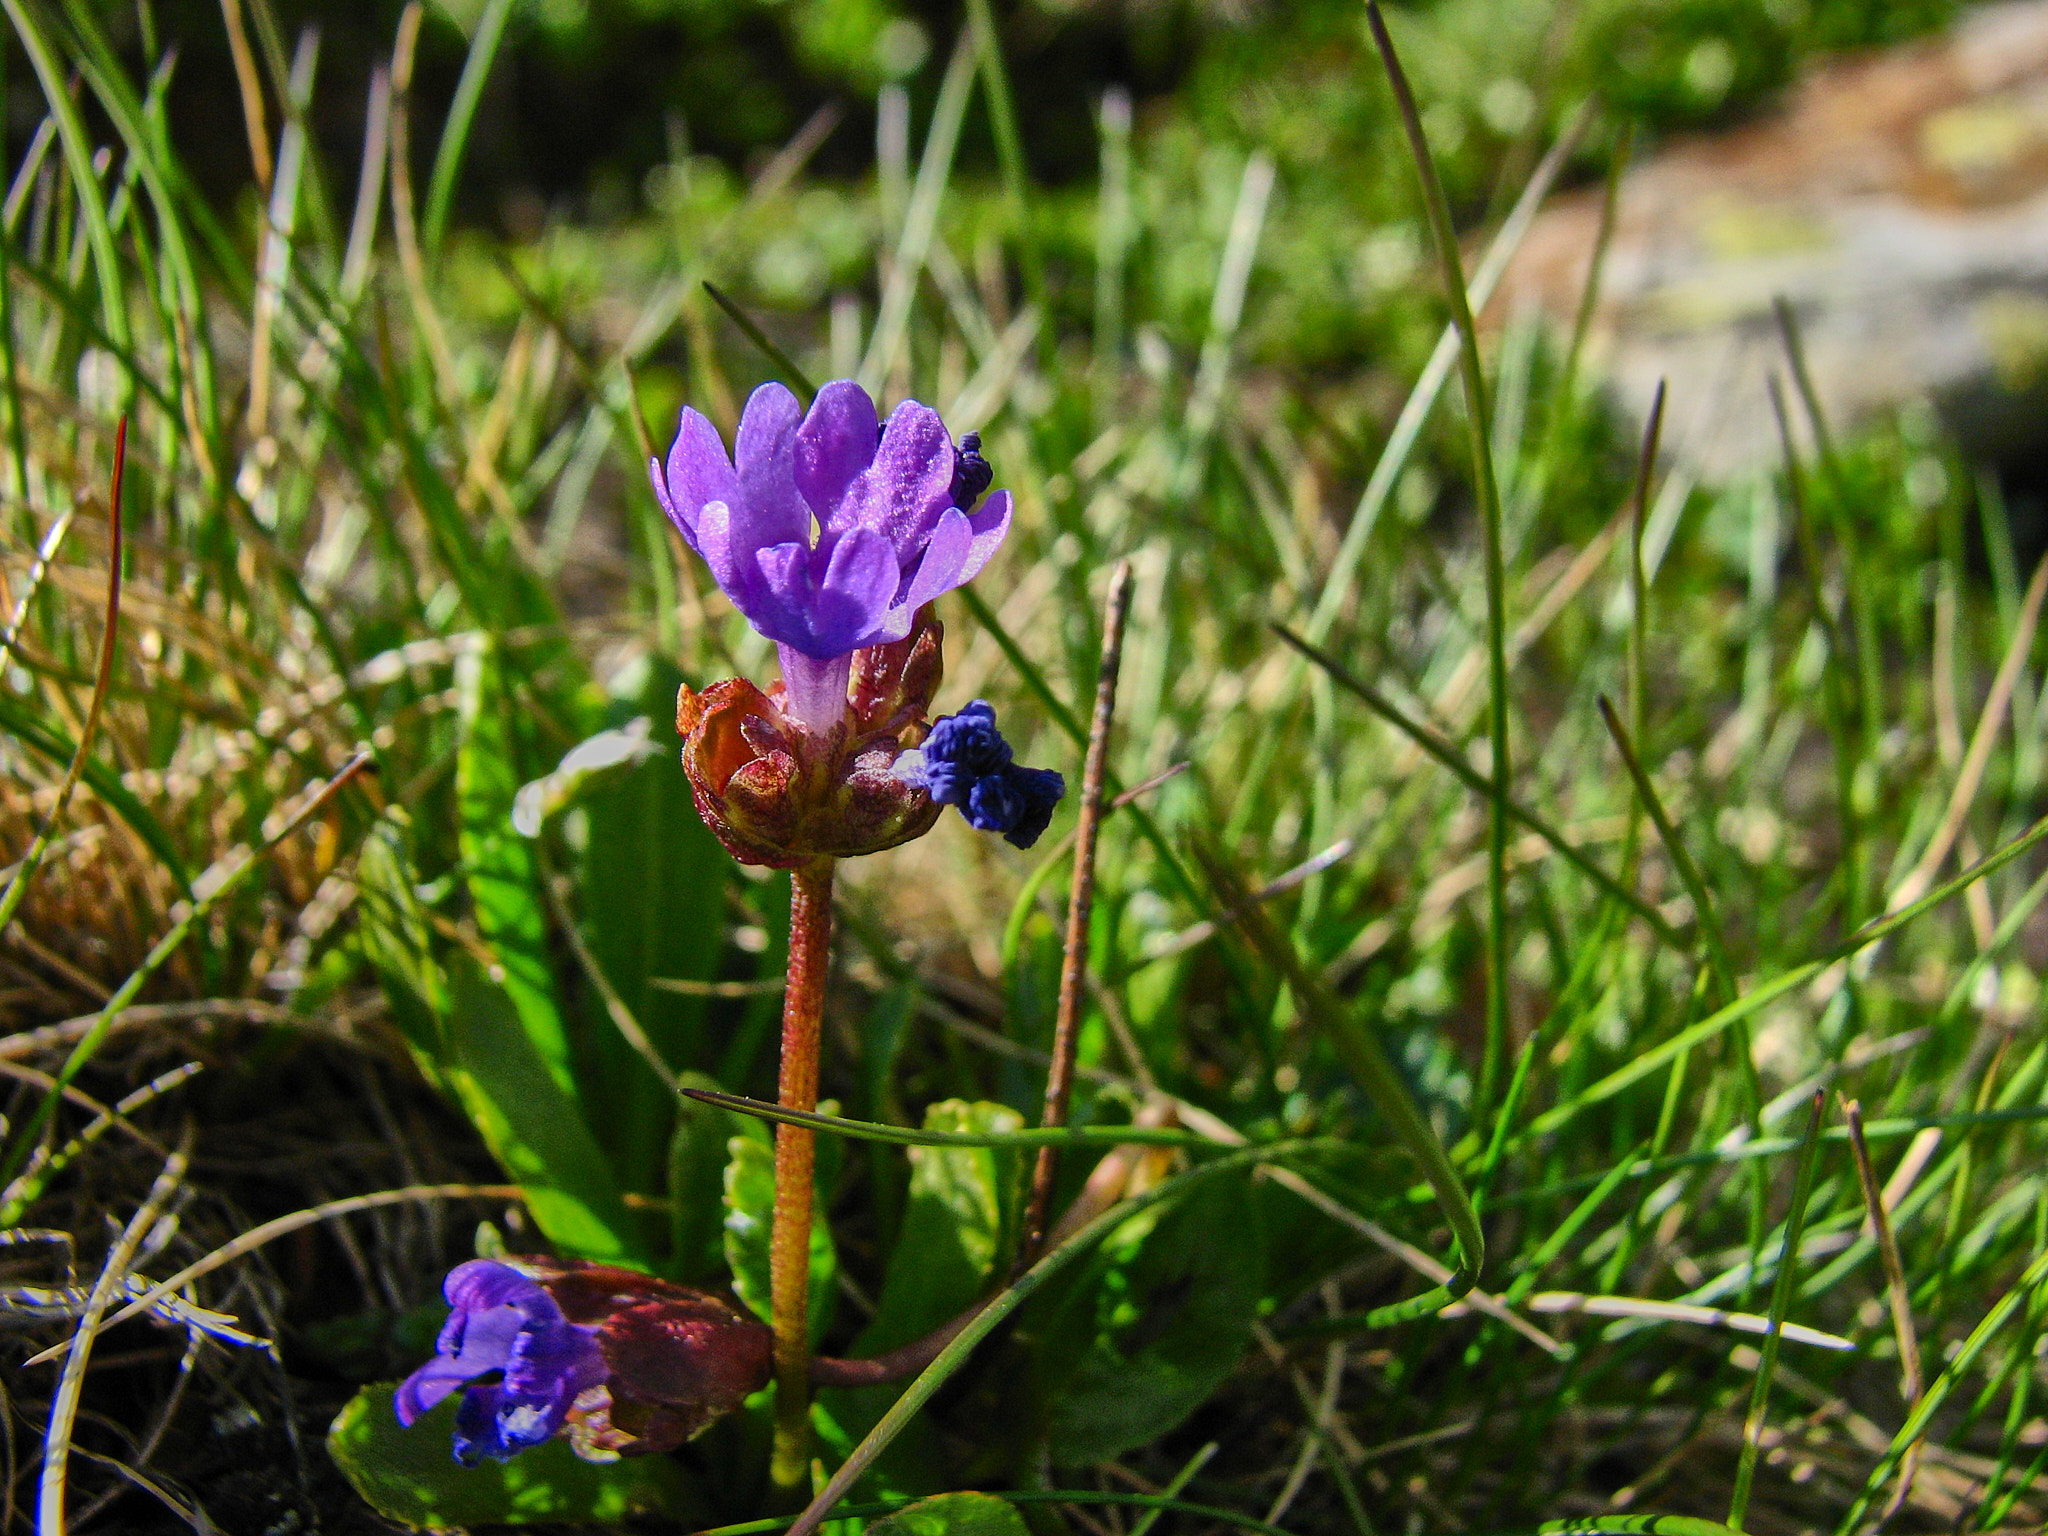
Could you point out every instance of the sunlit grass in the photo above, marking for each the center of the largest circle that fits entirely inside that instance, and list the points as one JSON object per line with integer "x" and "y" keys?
{"x": 358, "y": 462}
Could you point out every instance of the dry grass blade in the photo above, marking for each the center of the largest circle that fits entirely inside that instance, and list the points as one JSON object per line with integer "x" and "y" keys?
{"x": 1981, "y": 741}
{"x": 1680, "y": 1312}
{"x": 1201, "y": 932}
{"x": 46, "y": 552}
{"x": 284, "y": 1226}
{"x": 1059, "y": 1082}
{"x": 1898, "y": 1295}
{"x": 71, "y": 1385}
{"x": 30, "y": 1042}
{"x": 1475, "y": 1299}
{"x": 25, "y": 871}
{"x": 164, "y": 948}
{"x": 44, "y": 1165}
{"x": 615, "y": 1006}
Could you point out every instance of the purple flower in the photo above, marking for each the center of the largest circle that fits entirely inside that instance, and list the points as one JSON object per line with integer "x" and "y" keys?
{"x": 505, "y": 1322}
{"x": 620, "y": 1363}
{"x": 830, "y": 530}
{"x": 966, "y": 763}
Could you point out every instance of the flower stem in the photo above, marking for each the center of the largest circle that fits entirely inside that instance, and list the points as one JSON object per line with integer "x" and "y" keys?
{"x": 789, "y": 1244}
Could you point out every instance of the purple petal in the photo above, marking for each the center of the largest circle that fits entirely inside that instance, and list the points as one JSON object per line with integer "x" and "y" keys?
{"x": 780, "y": 600}
{"x": 860, "y": 579}
{"x": 485, "y": 1345}
{"x": 944, "y": 558}
{"x": 493, "y": 1305}
{"x": 835, "y": 443}
{"x": 698, "y": 472}
{"x": 773, "y": 511}
{"x": 481, "y": 1283}
{"x": 735, "y": 564}
{"x": 991, "y": 526}
{"x": 910, "y": 484}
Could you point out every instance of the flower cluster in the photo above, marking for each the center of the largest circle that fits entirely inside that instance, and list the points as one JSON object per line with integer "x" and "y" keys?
{"x": 832, "y": 532}
{"x": 622, "y": 1363}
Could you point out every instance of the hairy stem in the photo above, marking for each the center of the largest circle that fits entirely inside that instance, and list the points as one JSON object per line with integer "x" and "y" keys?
{"x": 789, "y": 1246}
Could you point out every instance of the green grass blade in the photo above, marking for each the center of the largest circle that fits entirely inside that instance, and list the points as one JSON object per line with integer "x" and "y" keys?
{"x": 791, "y": 374}
{"x": 904, "y": 1136}
{"x": 469, "y": 91}
{"x": 1781, "y": 1297}
{"x": 1479, "y": 431}
{"x": 1367, "y": 1062}
{"x": 1447, "y": 754}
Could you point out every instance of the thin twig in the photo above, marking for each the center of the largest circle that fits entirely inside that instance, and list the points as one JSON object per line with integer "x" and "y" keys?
{"x": 1059, "y": 1082}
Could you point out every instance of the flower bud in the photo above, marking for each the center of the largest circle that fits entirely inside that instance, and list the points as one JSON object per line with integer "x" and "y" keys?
{"x": 781, "y": 793}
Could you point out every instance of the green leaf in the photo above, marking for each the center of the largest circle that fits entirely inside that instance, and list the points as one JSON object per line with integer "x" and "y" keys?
{"x": 470, "y": 1041}
{"x": 1153, "y": 1324}
{"x": 696, "y": 1187}
{"x": 652, "y": 894}
{"x": 952, "y": 1226}
{"x": 409, "y": 1475}
{"x": 750, "y": 1218}
{"x": 499, "y": 867}
{"x": 954, "y": 1514}
{"x": 392, "y": 926}
{"x": 510, "y": 1093}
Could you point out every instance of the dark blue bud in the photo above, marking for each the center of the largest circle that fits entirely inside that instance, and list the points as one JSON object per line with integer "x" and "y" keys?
{"x": 1039, "y": 790}
{"x": 993, "y": 804}
{"x": 966, "y": 763}
{"x": 972, "y": 475}
{"x": 961, "y": 750}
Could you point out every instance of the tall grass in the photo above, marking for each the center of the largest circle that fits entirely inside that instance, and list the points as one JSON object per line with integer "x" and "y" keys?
{"x": 385, "y": 493}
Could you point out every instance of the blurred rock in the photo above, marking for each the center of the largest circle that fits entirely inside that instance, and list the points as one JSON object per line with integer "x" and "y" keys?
{"x": 1898, "y": 202}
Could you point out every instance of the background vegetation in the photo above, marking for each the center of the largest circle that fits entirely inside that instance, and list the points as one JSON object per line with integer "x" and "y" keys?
{"x": 394, "y": 348}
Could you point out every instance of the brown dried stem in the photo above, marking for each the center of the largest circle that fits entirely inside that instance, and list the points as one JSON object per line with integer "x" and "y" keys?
{"x": 1059, "y": 1082}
